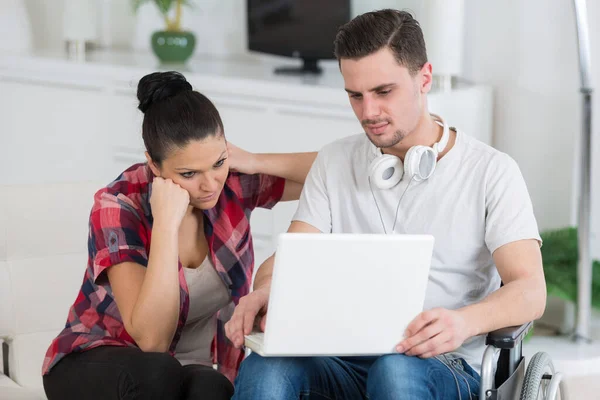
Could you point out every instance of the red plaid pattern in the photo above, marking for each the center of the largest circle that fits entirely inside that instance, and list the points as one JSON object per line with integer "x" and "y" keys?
{"x": 120, "y": 231}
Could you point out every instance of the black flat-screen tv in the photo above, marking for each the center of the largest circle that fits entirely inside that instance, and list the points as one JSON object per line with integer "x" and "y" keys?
{"x": 303, "y": 29}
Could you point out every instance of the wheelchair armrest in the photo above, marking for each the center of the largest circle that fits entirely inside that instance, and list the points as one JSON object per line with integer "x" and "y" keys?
{"x": 508, "y": 338}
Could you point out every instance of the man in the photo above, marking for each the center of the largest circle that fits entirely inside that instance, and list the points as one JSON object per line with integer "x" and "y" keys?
{"x": 475, "y": 204}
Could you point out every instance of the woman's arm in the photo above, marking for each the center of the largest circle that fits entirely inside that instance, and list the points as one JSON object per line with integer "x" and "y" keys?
{"x": 291, "y": 166}
{"x": 148, "y": 298}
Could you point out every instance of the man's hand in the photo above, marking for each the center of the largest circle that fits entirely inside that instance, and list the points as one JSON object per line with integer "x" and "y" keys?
{"x": 434, "y": 332}
{"x": 245, "y": 316}
{"x": 241, "y": 160}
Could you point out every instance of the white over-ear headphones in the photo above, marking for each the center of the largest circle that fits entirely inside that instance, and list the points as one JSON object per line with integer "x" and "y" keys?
{"x": 386, "y": 170}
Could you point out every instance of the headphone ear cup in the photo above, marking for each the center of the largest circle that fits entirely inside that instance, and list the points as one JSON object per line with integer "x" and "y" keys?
{"x": 386, "y": 171}
{"x": 420, "y": 162}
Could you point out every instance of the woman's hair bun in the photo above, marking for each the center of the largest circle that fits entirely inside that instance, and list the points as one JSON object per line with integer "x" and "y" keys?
{"x": 159, "y": 86}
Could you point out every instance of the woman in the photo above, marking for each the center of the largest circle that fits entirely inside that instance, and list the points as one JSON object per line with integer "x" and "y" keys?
{"x": 170, "y": 254}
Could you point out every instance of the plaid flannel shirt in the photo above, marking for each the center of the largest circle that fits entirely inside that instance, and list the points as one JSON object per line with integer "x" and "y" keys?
{"x": 120, "y": 231}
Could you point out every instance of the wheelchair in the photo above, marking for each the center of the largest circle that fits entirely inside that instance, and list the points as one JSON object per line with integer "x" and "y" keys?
{"x": 511, "y": 380}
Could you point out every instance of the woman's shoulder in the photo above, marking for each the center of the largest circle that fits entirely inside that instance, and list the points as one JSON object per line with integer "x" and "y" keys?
{"x": 245, "y": 185}
{"x": 251, "y": 191}
{"x": 130, "y": 190}
{"x": 237, "y": 184}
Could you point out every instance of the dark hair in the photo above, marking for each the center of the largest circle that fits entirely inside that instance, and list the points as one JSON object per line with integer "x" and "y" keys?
{"x": 174, "y": 114}
{"x": 370, "y": 32}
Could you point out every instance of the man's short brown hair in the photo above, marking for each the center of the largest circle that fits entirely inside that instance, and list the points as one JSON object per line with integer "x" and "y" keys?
{"x": 372, "y": 31}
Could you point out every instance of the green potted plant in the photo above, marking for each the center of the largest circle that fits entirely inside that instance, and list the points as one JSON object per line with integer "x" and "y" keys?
{"x": 173, "y": 44}
{"x": 560, "y": 255}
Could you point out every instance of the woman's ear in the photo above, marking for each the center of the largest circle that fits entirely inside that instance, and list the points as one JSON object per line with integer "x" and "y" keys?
{"x": 155, "y": 170}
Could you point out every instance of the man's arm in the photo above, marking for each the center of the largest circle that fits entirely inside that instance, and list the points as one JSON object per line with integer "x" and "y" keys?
{"x": 523, "y": 296}
{"x": 252, "y": 309}
{"x": 521, "y": 299}
{"x": 291, "y": 166}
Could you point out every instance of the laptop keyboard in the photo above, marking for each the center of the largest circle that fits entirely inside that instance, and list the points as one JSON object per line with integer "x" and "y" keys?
{"x": 254, "y": 341}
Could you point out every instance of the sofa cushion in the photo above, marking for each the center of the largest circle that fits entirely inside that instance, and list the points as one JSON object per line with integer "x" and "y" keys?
{"x": 6, "y": 382}
{"x": 26, "y": 357}
{"x": 48, "y": 219}
{"x": 3, "y": 225}
{"x": 9, "y": 390}
{"x": 43, "y": 256}
{"x": 43, "y": 290}
{"x": 7, "y": 317}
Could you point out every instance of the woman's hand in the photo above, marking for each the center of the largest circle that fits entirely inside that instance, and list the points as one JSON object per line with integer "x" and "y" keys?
{"x": 241, "y": 160}
{"x": 169, "y": 202}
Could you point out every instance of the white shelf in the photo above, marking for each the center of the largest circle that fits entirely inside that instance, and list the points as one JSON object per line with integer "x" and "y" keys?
{"x": 120, "y": 70}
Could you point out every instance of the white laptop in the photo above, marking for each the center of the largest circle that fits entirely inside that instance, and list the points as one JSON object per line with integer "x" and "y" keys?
{"x": 343, "y": 294}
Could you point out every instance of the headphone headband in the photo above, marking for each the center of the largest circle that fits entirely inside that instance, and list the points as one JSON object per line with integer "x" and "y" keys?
{"x": 387, "y": 170}
{"x": 441, "y": 145}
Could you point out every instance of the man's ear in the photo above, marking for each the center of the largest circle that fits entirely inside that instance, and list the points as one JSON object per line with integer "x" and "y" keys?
{"x": 155, "y": 170}
{"x": 426, "y": 75}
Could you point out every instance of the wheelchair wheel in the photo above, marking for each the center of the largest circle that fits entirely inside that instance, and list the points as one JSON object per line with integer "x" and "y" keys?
{"x": 537, "y": 378}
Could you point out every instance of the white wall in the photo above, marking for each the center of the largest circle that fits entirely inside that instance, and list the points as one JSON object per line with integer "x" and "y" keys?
{"x": 47, "y": 21}
{"x": 528, "y": 51}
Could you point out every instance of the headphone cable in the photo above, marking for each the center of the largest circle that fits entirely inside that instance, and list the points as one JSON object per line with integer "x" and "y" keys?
{"x": 397, "y": 207}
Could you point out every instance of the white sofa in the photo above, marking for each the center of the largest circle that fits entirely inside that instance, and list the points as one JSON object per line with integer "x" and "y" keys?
{"x": 43, "y": 255}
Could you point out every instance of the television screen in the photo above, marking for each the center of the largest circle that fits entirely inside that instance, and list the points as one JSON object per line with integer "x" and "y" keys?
{"x": 296, "y": 28}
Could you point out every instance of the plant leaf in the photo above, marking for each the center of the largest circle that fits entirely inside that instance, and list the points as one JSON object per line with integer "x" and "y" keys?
{"x": 164, "y": 5}
{"x": 560, "y": 255}
{"x": 137, "y": 3}
{"x": 188, "y": 3}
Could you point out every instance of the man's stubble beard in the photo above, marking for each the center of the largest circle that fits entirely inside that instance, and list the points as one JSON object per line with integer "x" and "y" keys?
{"x": 383, "y": 143}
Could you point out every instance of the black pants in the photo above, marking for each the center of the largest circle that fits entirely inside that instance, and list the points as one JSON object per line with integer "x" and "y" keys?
{"x": 125, "y": 373}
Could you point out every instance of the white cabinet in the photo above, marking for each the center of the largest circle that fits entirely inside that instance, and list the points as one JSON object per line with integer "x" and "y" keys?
{"x": 66, "y": 122}
{"x": 53, "y": 132}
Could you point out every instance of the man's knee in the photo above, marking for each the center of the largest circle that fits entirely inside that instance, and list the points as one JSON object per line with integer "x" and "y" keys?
{"x": 417, "y": 378}
{"x": 264, "y": 370}
{"x": 397, "y": 372}
{"x": 269, "y": 377}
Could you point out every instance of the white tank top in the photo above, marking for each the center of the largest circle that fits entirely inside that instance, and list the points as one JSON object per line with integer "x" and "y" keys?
{"x": 208, "y": 295}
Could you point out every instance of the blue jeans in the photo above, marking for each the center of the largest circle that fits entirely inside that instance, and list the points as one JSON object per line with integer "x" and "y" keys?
{"x": 394, "y": 376}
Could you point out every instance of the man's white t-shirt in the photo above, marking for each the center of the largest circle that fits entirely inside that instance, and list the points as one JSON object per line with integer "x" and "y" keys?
{"x": 475, "y": 202}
